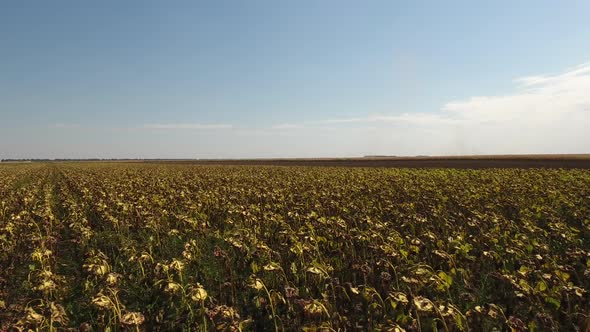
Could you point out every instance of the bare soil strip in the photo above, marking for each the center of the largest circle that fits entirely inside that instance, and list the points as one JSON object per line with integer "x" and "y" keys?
{"x": 460, "y": 162}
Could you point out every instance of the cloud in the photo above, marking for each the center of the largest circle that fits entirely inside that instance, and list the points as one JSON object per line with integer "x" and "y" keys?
{"x": 543, "y": 114}
{"x": 345, "y": 120}
{"x": 539, "y": 80}
{"x": 404, "y": 119}
{"x": 287, "y": 126}
{"x": 541, "y": 99}
{"x": 186, "y": 126}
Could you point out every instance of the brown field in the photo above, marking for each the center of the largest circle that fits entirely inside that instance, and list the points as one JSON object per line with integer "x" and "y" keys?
{"x": 568, "y": 161}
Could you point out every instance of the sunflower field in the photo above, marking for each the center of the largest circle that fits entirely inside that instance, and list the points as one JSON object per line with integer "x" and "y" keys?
{"x": 171, "y": 247}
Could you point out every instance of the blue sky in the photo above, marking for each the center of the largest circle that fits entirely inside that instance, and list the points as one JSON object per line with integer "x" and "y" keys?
{"x": 237, "y": 79}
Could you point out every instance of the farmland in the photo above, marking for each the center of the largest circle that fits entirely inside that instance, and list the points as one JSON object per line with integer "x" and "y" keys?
{"x": 566, "y": 161}
{"x": 157, "y": 247}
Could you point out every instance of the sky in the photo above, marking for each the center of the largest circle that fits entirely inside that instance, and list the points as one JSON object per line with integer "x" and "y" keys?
{"x": 265, "y": 79}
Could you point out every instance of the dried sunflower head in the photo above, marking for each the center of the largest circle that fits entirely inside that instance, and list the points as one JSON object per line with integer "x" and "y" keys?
{"x": 133, "y": 319}
{"x": 423, "y": 304}
{"x": 291, "y": 292}
{"x": 257, "y": 284}
{"x": 102, "y": 302}
{"x": 198, "y": 293}
{"x": 314, "y": 309}
{"x": 176, "y": 265}
{"x": 33, "y": 317}
{"x": 399, "y": 297}
{"x": 113, "y": 278}
{"x": 172, "y": 288}
{"x": 46, "y": 286}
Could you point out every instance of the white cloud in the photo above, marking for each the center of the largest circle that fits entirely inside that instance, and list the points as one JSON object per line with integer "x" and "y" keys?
{"x": 537, "y": 80}
{"x": 544, "y": 114}
{"x": 539, "y": 100}
{"x": 345, "y": 120}
{"x": 404, "y": 118}
{"x": 287, "y": 126}
{"x": 186, "y": 126}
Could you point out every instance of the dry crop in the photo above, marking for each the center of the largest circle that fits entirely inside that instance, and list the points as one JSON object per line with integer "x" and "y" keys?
{"x": 180, "y": 247}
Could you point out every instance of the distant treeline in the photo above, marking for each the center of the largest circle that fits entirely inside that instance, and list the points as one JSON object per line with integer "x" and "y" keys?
{"x": 47, "y": 160}
{"x": 379, "y": 156}
{"x": 87, "y": 159}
